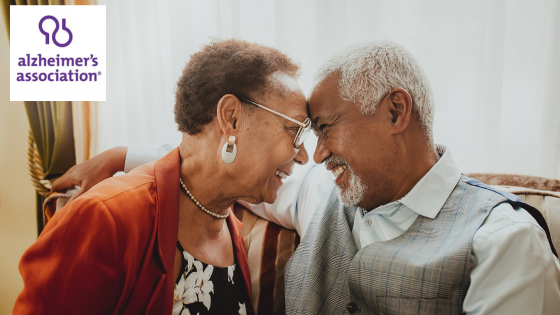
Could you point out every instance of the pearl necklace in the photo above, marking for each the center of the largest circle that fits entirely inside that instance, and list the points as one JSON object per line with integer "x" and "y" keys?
{"x": 215, "y": 215}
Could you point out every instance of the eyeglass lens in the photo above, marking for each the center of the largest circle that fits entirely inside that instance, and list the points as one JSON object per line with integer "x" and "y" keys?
{"x": 302, "y": 133}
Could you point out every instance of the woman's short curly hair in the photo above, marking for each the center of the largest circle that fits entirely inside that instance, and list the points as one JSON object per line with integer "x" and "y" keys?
{"x": 225, "y": 67}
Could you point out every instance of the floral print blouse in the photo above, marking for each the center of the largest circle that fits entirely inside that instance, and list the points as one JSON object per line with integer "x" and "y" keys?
{"x": 204, "y": 289}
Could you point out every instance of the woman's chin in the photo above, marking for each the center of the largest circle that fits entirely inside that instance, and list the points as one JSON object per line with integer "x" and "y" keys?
{"x": 267, "y": 197}
{"x": 271, "y": 196}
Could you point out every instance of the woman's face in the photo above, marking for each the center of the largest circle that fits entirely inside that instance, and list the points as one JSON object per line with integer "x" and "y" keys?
{"x": 265, "y": 145}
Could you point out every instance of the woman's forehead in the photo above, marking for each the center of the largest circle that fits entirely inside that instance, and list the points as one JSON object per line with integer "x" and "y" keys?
{"x": 284, "y": 81}
{"x": 296, "y": 108}
{"x": 289, "y": 99}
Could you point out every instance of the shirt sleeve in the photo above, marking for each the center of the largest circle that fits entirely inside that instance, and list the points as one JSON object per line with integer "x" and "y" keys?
{"x": 73, "y": 266}
{"x": 140, "y": 154}
{"x": 299, "y": 198}
{"x": 514, "y": 271}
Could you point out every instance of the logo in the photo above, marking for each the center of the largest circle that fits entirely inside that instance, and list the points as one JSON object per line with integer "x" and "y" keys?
{"x": 58, "y": 53}
{"x": 64, "y": 28}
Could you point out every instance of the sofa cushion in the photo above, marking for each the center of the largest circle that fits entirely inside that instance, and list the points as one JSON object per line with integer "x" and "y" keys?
{"x": 269, "y": 247}
{"x": 533, "y": 182}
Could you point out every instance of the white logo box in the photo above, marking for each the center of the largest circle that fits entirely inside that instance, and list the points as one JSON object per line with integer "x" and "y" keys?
{"x": 54, "y": 77}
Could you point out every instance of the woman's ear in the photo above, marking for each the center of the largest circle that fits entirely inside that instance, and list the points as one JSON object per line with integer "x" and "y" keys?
{"x": 400, "y": 108}
{"x": 229, "y": 115}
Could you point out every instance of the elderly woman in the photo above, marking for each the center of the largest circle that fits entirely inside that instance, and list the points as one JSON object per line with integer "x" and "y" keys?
{"x": 162, "y": 239}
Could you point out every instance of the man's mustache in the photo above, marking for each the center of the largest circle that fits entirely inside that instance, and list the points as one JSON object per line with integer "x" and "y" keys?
{"x": 336, "y": 160}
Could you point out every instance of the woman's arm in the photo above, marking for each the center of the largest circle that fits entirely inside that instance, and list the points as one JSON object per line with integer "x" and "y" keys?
{"x": 73, "y": 267}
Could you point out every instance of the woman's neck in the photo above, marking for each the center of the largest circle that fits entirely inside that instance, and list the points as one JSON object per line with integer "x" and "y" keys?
{"x": 214, "y": 190}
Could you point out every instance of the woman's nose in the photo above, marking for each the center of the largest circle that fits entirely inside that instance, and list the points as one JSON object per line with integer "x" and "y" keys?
{"x": 321, "y": 152}
{"x": 302, "y": 157}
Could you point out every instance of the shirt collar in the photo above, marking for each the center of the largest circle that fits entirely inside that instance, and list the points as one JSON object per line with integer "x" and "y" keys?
{"x": 430, "y": 193}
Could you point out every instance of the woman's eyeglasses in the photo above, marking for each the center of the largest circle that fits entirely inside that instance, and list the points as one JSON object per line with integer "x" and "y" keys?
{"x": 304, "y": 127}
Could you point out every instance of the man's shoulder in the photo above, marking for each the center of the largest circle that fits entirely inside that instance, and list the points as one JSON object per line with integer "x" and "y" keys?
{"x": 506, "y": 218}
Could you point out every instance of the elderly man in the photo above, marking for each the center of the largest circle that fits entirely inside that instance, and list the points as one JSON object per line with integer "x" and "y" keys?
{"x": 401, "y": 230}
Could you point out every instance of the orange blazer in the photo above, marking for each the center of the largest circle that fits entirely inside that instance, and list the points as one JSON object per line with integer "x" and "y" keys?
{"x": 112, "y": 250}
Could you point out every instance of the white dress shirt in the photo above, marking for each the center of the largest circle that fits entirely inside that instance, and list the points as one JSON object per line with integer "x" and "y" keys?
{"x": 513, "y": 268}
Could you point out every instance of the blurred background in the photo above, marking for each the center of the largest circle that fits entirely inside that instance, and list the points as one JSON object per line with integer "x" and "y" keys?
{"x": 493, "y": 66}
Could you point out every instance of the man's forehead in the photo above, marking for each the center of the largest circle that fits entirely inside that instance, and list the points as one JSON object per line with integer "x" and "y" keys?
{"x": 322, "y": 103}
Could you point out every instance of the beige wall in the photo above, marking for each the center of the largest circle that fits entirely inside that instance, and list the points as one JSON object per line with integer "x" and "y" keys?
{"x": 18, "y": 224}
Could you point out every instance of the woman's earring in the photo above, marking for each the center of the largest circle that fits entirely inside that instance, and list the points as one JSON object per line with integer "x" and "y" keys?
{"x": 229, "y": 151}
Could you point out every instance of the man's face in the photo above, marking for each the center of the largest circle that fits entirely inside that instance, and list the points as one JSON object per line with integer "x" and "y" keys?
{"x": 359, "y": 149}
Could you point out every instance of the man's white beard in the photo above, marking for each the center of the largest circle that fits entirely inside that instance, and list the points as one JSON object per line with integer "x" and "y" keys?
{"x": 354, "y": 193}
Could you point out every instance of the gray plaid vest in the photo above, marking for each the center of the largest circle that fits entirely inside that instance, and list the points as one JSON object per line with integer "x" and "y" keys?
{"x": 426, "y": 270}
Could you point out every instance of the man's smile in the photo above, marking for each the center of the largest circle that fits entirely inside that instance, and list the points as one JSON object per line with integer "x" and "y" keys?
{"x": 338, "y": 170}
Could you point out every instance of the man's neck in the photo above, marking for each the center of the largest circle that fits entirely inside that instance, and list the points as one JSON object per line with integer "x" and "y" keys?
{"x": 421, "y": 162}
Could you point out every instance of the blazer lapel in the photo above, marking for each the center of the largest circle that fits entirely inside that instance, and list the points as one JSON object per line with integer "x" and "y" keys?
{"x": 240, "y": 255}
{"x": 167, "y": 184}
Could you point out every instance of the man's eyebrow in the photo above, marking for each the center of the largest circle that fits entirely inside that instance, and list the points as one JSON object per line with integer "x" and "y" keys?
{"x": 321, "y": 117}
{"x": 314, "y": 121}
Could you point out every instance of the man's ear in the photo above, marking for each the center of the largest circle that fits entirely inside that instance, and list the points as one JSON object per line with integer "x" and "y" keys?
{"x": 229, "y": 115}
{"x": 400, "y": 107}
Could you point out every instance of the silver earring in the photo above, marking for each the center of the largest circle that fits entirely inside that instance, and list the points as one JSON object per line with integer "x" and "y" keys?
{"x": 229, "y": 151}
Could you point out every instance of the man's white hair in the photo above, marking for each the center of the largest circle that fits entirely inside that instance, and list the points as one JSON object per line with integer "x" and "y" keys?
{"x": 369, "y": 71}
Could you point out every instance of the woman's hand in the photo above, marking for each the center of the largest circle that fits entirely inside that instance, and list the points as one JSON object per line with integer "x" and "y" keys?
{"x": 87, "y": 174}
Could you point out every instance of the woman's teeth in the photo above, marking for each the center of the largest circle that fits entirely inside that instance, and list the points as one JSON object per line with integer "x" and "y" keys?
{"x": 338, "y": 170}
{"x": 281, "y": 174}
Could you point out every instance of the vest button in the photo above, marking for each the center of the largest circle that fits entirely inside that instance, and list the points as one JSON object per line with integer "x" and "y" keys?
{"x": 352, "y": 307}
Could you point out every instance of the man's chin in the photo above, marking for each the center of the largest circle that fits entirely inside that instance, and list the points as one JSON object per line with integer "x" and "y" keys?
{"x": 348, "y": 199}
{"x": 351, "y": 194}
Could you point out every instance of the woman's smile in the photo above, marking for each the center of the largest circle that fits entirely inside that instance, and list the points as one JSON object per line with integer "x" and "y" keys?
{"x": 281, "y": 175}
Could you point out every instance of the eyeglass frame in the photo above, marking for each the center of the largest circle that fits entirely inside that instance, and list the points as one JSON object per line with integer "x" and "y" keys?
{"x": 304, "y": 127}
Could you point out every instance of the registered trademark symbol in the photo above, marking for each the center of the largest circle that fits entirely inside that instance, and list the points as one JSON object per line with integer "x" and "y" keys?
{"x": 99, "y": 73}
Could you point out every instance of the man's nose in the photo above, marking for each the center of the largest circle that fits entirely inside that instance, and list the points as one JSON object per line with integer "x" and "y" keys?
{"x": 302, "y": 157}
{"x": 321, "y": 152}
